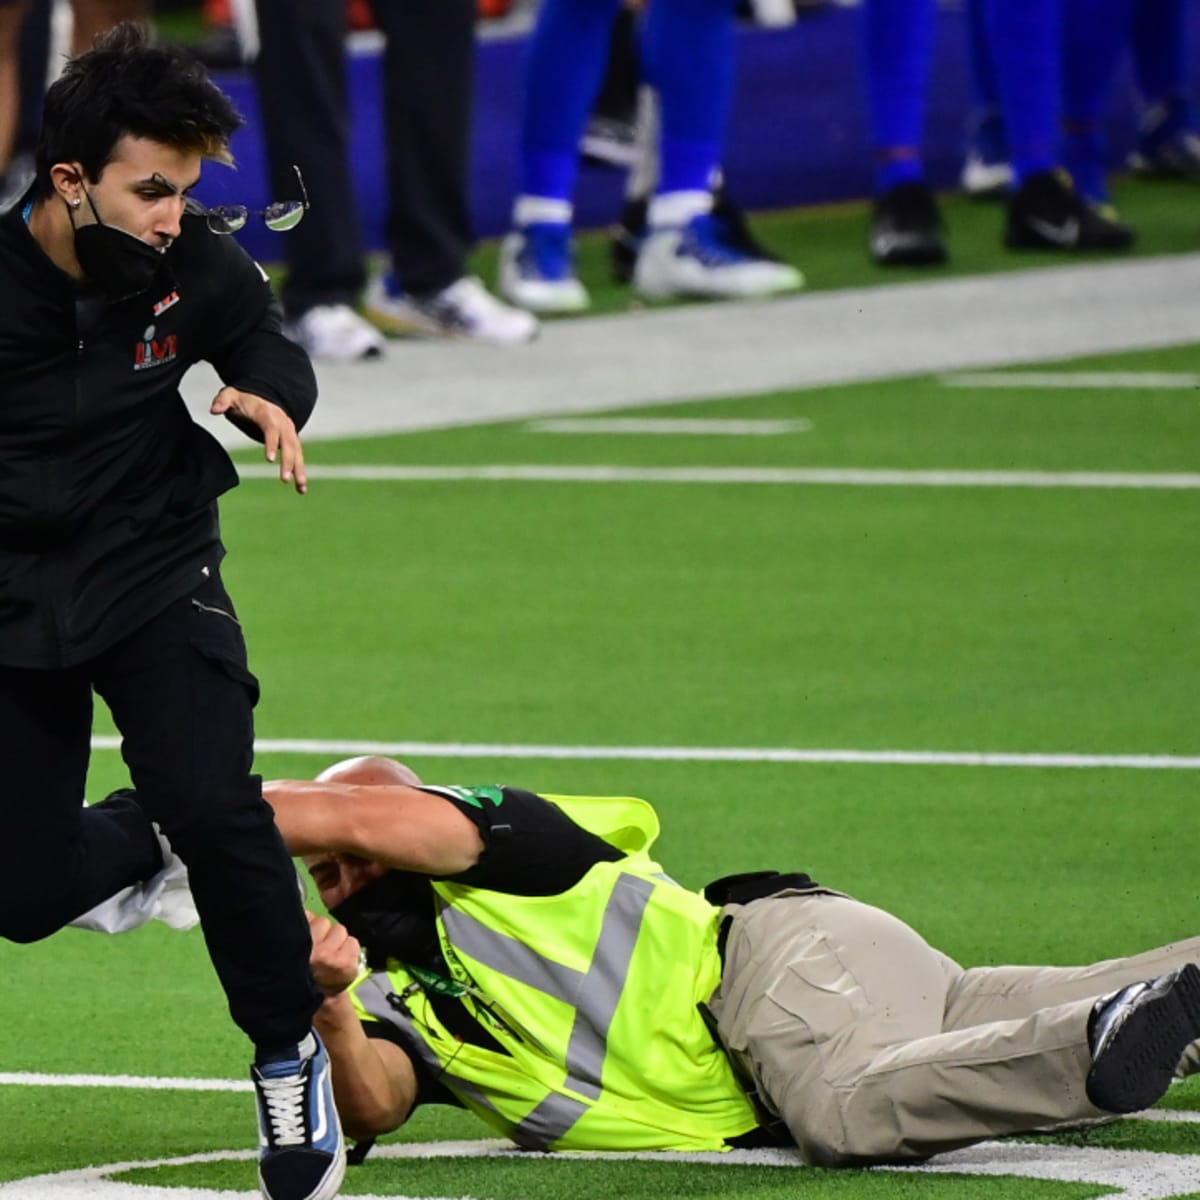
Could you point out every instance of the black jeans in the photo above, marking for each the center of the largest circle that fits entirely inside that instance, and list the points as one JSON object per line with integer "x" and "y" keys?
{"x": 183, "y": 698}
{"x": 429, "y": 72}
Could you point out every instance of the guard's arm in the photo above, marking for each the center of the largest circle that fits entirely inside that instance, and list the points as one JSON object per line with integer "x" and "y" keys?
{"x": 374, "y": 1084}
{"x": 392, "y": 824}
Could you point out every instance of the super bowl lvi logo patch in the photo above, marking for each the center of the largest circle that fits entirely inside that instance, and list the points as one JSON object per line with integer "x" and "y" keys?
{"x": 152, "y": 351}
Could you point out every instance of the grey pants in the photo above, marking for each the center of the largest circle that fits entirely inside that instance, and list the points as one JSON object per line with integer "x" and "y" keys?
{"x": 874, "y": 1047}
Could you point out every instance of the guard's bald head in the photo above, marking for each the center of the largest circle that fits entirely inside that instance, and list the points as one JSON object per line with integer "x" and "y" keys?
{"x": 370, "y": 770}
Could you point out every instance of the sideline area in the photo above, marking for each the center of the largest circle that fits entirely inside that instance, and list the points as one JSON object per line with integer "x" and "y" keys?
{"x": 711, "y": 350}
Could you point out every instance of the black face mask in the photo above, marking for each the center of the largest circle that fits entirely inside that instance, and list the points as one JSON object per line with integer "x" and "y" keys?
{"x": 392, "y": 917}
{"x": 118, "y": 263}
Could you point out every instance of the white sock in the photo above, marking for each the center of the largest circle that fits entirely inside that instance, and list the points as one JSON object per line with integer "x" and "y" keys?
{"x": 542, "y": 210}
{"x": 672, "y": 210}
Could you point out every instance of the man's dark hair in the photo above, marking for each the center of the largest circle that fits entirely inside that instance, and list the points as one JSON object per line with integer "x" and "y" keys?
{"x": 121, "y": 86}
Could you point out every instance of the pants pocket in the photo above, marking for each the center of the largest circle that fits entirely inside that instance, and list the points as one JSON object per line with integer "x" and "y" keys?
{"x": 217, "y": 636}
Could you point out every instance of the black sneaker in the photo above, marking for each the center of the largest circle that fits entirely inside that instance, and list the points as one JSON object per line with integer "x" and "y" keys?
{"x": 1047, "y": 213}
{"x": 301, "y": 1153}
{"x": 1138, "y": 1036}
{"x": 906, "y": 227}
{"x": 626, "y": 238}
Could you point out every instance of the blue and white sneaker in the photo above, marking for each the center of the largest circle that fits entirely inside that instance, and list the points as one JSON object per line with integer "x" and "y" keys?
{"x": 701, "y": 259}
{"x": 301, "y": 1152}
{"x": 537, "y": 270}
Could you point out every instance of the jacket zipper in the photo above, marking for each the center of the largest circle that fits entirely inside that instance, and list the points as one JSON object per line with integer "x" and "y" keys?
{"x": 220, "y": 612}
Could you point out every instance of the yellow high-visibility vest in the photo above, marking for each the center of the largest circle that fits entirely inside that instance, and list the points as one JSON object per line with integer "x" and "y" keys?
{"x": 592, "y": 994}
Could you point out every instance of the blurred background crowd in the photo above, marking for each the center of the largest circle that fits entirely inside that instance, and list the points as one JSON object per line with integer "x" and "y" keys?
{"x": 644, "y": 87}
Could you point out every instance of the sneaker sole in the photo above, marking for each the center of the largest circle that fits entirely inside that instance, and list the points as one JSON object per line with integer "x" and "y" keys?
{"x": 1137, "y": 1067}
{"x": 331, "y": 1181}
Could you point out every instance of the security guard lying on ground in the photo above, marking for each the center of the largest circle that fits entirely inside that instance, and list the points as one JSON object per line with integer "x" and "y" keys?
{"x": 530, "y": 961}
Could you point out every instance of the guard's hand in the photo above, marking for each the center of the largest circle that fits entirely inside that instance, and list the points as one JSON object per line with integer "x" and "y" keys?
{"x": 279, "y": 431}
{"x": 335, "y": 955}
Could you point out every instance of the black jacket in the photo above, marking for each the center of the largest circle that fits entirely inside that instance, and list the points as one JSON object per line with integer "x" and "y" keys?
{"x": 107, "y": 487}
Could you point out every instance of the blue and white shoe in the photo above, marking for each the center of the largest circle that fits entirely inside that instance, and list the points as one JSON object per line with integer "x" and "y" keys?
{"x": 701, "y": 259}
{"x": 537, "y": 270}
{"x": 301, "y": 1152}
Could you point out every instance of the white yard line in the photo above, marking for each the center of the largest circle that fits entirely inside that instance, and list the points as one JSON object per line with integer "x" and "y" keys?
{"x": 739, "y": 476}
{"x": 1131, "y": 1174}
{"x": 734, "y": 754}
{"x": 670, "y": 426}
{"x": 1080, "y": 380}
{"x": 147, "y": 1082}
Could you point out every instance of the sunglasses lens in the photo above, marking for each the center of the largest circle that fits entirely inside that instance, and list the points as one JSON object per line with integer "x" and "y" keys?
{"x": 283, "y": 215}
{"x": 229, "y": 218}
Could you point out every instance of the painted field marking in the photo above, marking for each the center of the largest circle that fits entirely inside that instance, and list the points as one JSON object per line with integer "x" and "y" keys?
{"x": 138, "y": 1082}
{"x": 737, "y": 754}
{"x": 1081, "y": 380}
{"x": 686, "y": 426}
{"x": 1134, "y": 1174}
{"x": 774, "y": 476}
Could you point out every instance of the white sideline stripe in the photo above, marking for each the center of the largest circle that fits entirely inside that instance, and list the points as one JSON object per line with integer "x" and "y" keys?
{"x": 920, "y": 758}
{"x": 1083, "y": 380}
{"x": 671, "y": 425}
{"x": 150, "y": 1082}
{"x": 791, "y": 476}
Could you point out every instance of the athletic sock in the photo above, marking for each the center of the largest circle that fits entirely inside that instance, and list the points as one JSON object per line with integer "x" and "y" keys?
{"x": 985, "y": 95}
{"x": 1095, "y": 33}
{"x": 1160, "y": 49}
{"x": 688, "y": 58}
{"x": 1026, "y": 38}
{"x": 564, "y": 67}
{"x": 898, "y": 47}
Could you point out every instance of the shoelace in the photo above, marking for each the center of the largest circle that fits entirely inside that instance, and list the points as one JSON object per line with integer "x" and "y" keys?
{"x": 284, "y": 1101}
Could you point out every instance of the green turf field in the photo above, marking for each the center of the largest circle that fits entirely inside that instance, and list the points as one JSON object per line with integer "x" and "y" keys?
{"x": 544, "y": 625}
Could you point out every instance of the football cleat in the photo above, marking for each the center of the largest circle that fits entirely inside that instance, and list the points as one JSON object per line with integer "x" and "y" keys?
{"x": 906, "y": 227}
{"x": 702, "y": 259}
{"x": 537, "y": 270}
{"x": 1047, "y": 213}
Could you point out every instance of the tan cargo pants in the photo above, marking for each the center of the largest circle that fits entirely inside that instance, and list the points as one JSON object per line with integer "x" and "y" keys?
{"x": 874, "y": 1047}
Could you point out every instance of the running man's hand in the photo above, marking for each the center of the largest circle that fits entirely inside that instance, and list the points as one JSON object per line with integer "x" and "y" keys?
{"x": 278, "y": 430}
{"x": 335, "y": 955}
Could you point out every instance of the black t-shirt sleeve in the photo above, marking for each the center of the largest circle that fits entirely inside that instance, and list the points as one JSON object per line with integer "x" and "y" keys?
{"x": 430, "y": 1090}
{"x": 531, "y": 847}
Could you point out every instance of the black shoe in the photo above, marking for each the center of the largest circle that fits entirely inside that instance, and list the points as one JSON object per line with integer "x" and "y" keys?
{"x": 906, "y": 227}
{"x": 1138, "y": 1035}
{"x": 1047, "y": 213}
{"x": 626, "y": 238}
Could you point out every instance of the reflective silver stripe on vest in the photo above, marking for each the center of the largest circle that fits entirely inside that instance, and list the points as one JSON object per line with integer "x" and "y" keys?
{"x": 375, "y": 994}
{"x": 594, "y": 993}
{"x": 552, "y": 1118}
